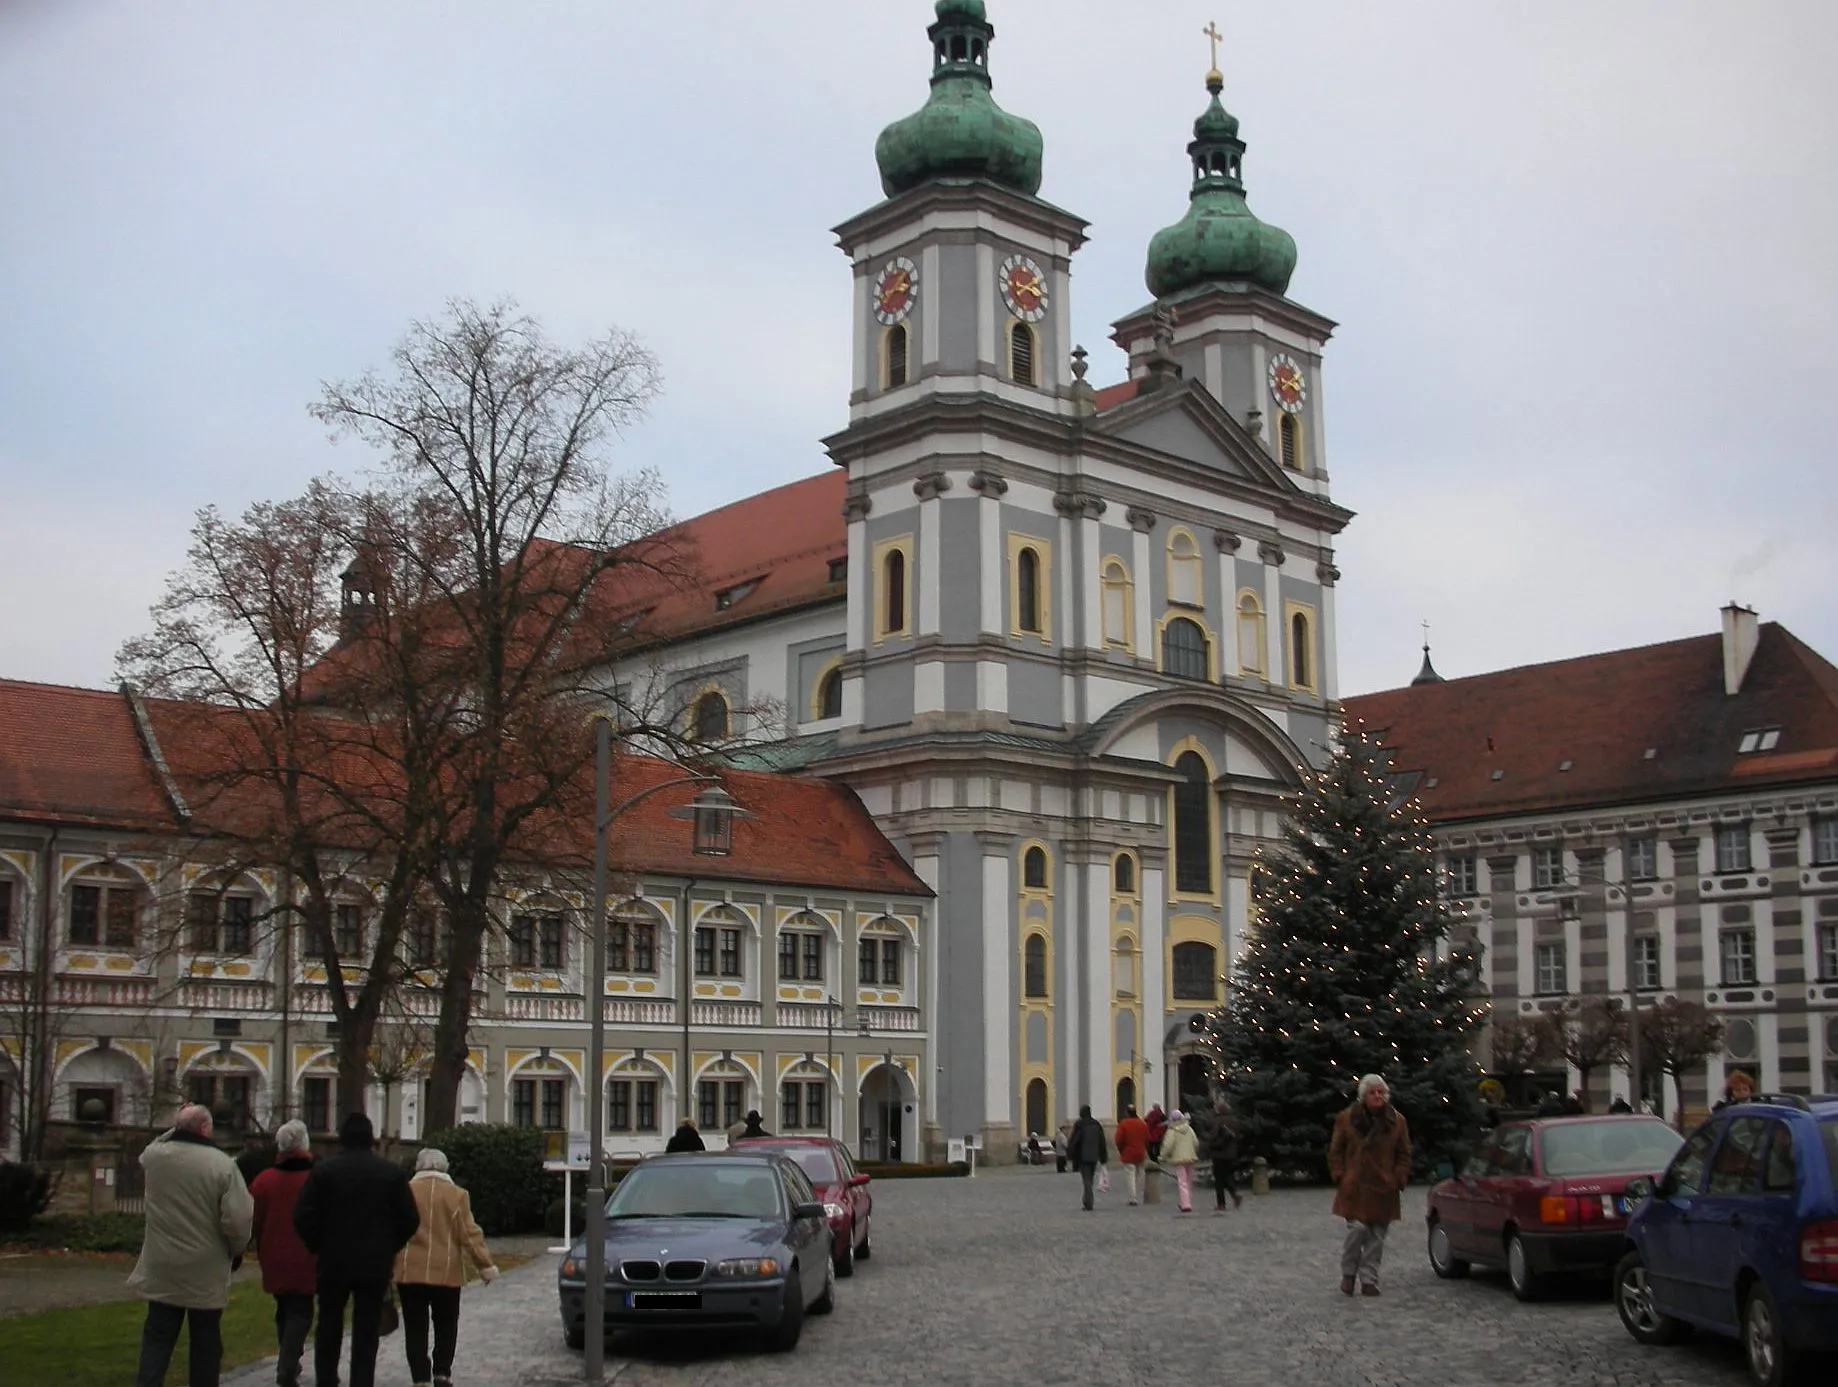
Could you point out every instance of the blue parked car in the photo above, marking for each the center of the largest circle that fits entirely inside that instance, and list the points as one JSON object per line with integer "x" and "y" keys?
{"x": 1740, "y": 1236}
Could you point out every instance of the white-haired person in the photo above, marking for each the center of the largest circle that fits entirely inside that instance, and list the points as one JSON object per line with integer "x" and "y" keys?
{"x": 1369, "y": 1160}
{"x": 432, "y": 1268}
{"x": 1180, "y": 1149}
{"x": 288, "y": 1269}
{"x": 198, "y": 1214}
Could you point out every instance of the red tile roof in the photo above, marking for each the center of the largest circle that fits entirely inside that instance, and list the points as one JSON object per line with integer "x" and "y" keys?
{"x": 1600, "y": 715}
{"x": 72, "y": 756}
{"x": 1113, "y": 395}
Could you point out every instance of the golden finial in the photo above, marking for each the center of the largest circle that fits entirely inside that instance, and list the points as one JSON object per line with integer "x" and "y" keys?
{"x": 1213, "y": 36}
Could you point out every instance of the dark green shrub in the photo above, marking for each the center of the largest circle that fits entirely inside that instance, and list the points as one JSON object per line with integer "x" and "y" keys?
{"x": 552, "y": 1218}
{"x": 24, "y": 1192}
{"x": 501, "y": 1167}
{"x": 85, "y": 1232}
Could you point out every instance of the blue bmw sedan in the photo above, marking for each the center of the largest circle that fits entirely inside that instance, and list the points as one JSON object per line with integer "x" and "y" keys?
{"x": 709, "y": 1240}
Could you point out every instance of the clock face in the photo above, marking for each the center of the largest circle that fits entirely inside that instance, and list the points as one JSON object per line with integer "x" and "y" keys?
{"x": 1287, "y": 386}
{"x": 896, "y": 290}
{"x": 1024, "y": 288}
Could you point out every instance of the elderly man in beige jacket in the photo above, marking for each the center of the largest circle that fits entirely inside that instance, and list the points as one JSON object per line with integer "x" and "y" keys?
{"x": 198, "y": 1217}
{"x": 432, "y": 1268}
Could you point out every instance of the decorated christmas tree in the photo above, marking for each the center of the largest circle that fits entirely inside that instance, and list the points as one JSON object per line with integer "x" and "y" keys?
{"x": 1350, "y": 967}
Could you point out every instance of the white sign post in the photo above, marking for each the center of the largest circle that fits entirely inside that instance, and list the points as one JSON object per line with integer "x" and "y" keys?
{"x": 579, "y": 1154}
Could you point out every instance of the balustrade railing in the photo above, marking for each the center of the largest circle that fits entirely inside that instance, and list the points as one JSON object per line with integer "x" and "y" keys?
{"x": 890, "y": 1018}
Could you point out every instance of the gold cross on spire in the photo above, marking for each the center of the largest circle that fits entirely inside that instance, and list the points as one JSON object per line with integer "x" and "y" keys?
{"x": 1212, "y": 33}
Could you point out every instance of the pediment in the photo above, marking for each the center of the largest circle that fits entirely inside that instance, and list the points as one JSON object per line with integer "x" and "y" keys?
{"x": 1184, "y": 421}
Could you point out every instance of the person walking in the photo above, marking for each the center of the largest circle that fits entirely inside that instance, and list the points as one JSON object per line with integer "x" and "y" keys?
{"x": 685, "y": 1138}
{"x": 1180, "y": 1149}
{"x": 288, "y": 1269}
{"x": 431, "y": 1269}
{"x": 1222, "y": 1151}
{"x": 1157, "y": 1122}
{"x": 198, "y": 1215}
{"x": 1132, "y": 1151}
{"x": 1086, "y": 1149}
{"x": 1369, "y": 1160}
{"x": 355, "y": 1213}
{"x": 1059, "y": 1146}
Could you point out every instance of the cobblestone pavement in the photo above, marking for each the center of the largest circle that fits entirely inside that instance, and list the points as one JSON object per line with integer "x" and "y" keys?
{"x": 1003, "y": 1280}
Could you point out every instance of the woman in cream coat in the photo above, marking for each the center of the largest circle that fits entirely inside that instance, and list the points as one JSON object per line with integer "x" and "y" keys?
{"x": 431, "y": 1269}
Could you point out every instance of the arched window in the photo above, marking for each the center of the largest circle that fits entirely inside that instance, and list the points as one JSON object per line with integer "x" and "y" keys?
{"x": 1184, "y": 649}
{"x": 1193, "y": 825}
{"x": 1301, "y": 652}
{"x": 1027, "y": 590}
{"x": 1126, "y": 1095}
{"x": 1250, "y": 633}
{"x": 1185, "y": 580}
{"x": 829, "y": 695}
{"x": 1289, "y": 439}
{"x": 631, "y": 939}
{"x": 1034, "y": 966}
{"x": 893, "y": 592}
{"x": 1196, "y": 973}
{"x": 1034, "y": 869}
{"x": 1123, "y": 875}
{"x": 710, "y": 723}
{"x": 896, "y": 355}
{"x": 1116, "y": 584}
{"x": 104, "y": 908}
{"x": 1037, "y": 1106}
{"x": 1021, "y": 353}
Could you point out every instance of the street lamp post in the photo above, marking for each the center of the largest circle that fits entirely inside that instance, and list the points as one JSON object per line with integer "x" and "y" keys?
{"x": 829, "y": 1062}
{"x": 714, "y": 811}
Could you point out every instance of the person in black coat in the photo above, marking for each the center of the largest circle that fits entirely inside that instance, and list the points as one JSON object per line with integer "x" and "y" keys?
{"x": 1086, "y": 1149}
{"x": 355, "y": 1213}
{"x": 685, "y": 1138}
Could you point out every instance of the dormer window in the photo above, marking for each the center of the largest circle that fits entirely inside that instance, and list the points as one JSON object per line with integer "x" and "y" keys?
{"x": 1758, "y": 739}
{"x": 727, "y": 597}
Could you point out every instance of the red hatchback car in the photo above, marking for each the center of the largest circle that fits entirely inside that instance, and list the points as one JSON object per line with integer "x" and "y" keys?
{"x": 847, "y": 1201}
{"x": 1545, "y": 1196}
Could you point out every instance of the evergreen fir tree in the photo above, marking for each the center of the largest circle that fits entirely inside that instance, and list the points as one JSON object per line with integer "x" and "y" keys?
{"x": 1351, "y": 969}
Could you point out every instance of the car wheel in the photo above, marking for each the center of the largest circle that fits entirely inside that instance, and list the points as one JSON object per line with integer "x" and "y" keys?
{"x": 845, "y": 1256}
{"x": 1443, "y": 1260}
{"x": 791, "y": 1318}
{"x": 863, "y": 1252}
{"x": 575, "y": 1335}
{"x": 1634, "y": 1303}
{"x": 1525, "y": 1283}
{"x": 1770, "y": 1362}
{"x": 826, "y": 1302}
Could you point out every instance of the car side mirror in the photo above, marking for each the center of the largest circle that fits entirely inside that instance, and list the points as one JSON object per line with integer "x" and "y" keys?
{"x": 1638, "y": 1189}
{"x": 858, "y": 1180}
{"x": 807, "y": 1210}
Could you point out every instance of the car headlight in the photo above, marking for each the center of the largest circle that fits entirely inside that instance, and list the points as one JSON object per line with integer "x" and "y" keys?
{"x": 834, "y": 1211}
{"x": 748, "y": 1266}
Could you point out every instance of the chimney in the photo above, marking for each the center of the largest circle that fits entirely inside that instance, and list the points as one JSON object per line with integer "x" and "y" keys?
{"x": 1741, "y": 633}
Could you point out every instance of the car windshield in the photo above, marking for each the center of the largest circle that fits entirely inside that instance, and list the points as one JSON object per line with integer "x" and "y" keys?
{"x": 697, "y": 1189}
{"x": 1612, "y": 1146}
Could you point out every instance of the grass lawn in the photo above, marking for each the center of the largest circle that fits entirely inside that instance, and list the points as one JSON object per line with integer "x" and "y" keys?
{"x": 98, "y": 1345}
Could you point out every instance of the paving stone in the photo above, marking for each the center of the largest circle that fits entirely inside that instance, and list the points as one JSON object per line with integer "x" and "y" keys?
{"x": 1003, "y": 1280}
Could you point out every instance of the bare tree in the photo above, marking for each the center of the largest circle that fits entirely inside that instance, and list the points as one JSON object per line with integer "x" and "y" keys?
{"x": 493, "y": 539}
{"x": 1516, "y": 1045}
{"x": 1590, "y": 1033}
{"x": 1677, "y": 1036}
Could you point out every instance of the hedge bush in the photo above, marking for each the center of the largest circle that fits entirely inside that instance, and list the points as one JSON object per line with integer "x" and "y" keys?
{"x": 84, "y": 1232}
{"x": 24, "y": 1192}
{"x": 501, "y": 1167}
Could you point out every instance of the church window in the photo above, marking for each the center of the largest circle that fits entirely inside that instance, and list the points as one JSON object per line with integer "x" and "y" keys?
{"x": 896, "y": 355}
{"x": 1027, "y": 590}
{"x": 1301, "y": 648}
{"x": 1034, "y": 966}
{"x": 1196, "y": 972}
{"x": 709, "y": 722}
{"x": 1185, "y": 580}
{"x": 1184, "y": 649}
{"x": 1034, "y": 869}
{"x": 893, "y": 596}
{"x": 1193, "y": 825}
{"x": 1123, "y": 875}
{"x": 1250, "y": 633}
{"x": 829, "y": 694}
{"x": 1115, "y": 582}
{"x": 1021, "y": 354}
{"x": 1289, "y": 439}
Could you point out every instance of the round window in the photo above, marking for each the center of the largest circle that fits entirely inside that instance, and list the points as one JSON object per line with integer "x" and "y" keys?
{"x": 1739, "y": 1039}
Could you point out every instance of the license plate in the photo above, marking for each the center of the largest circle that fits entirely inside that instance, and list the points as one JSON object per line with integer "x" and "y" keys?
{"x": 1621, "y": 1203}
{"x": 663, "y": 1300}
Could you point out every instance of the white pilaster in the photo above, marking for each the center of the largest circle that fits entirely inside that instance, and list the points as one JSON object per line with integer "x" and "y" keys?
{"x": 1095, "y": 946}
{"x": 998, "y": 994}
{"x": 1142, "y": 577}
{"x": 925, "y": 867}
{"x": 1153, "y": 934}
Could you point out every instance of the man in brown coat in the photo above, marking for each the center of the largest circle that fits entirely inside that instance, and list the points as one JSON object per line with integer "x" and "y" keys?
{"x": 1369, "y": 1159}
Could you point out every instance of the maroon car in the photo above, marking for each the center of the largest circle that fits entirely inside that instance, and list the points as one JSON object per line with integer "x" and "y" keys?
{"x": 1544, "y": 1196}
{"x": 843, "y": 1189}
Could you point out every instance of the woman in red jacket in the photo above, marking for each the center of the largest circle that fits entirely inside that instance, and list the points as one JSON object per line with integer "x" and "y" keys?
{"x": 288, "y": 1269}
{"x": 1132, "y": 1151}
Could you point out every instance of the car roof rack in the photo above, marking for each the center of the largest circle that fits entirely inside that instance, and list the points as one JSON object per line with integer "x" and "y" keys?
{"x": 1782, "y": 1100}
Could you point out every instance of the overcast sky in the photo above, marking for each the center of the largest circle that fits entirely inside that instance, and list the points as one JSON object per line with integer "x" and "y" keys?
{"x": 1581, "y": 252}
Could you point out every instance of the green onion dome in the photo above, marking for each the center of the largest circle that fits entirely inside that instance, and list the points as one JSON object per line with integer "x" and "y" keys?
{"x": 960, "y": 132}
{"x": 1219, "y": 240}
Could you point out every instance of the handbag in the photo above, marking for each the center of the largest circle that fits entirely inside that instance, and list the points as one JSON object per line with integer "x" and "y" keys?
{"x": 1103, "y": 1179}
{"x": 389, "y": 1320}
